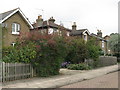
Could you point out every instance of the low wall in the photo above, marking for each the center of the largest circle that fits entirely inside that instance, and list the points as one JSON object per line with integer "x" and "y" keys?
{"x": 107, "y": 60}
{"x": 103, "y": 61}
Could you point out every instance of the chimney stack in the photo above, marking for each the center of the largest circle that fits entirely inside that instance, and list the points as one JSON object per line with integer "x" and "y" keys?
{"x": 39, "y": 21}
{"x": 52, "y": 20}
{"x": 74, "y": 26}
{"x": 99, "y": 33}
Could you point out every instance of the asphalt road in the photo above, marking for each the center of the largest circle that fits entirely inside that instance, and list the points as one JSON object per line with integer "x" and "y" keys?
{"x": 106, "y": 81}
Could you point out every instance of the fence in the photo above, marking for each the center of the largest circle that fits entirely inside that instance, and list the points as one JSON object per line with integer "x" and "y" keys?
{"x": 15, "y": 71}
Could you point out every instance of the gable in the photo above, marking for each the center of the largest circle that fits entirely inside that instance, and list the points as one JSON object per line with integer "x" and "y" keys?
{"x": 7, "y": 15}
{"x": 86, "y": 32}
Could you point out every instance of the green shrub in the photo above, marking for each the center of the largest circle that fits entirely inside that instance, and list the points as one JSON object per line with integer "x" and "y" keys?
{"x": 81, "y": 66}
{"x": 94, "y": 64}
{"x": 77, "y": 51}
{"x": 18, "y": 53}
{"x": 47, "y": 52}
{"x": 44, "y": 52}
{"x": 108, "y": 55}
{"x": 93, "y": 49}
{"x": 50, "y": 54}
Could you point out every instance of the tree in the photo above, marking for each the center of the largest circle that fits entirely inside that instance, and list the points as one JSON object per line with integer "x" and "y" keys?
{"x": 93, "y": 49}
{"x": 77, "y": 51}
{"x": 114, "y": 43}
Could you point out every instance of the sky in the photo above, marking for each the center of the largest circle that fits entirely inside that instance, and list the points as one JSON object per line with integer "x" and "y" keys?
{"x": 88, "y": 14}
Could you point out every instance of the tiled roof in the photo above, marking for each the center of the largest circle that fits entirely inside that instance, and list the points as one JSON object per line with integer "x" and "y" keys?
{"x": 5, "y": 14}
{"x": 52, "y": 25}
{"x": 77, "y": 32}
{"x": 100, "y": 38}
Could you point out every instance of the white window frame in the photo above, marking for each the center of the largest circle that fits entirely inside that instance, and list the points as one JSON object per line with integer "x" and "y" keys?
{"x": 16, "y": 28}
{"x": 103, "y": 44}
{"x": 50, "y": 31}
{"x": 60, "y": 33}
{"x": 68, "y": 34}
{"x": 13, "y": 44}
{"x": 85, "y": 36}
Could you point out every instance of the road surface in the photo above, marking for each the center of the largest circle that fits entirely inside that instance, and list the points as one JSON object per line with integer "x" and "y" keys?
{"x": 106, "y": 81}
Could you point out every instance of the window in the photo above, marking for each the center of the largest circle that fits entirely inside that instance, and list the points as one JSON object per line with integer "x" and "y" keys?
{"x": 15, "y": 28}
{"x": 102, "y": 44}
{"x": 85, "y": 37}
{"x": 50, "y": 31}
{"x": 55, "y": 30}
{"x": 60, "y": 33}
{"x": 13, "y": 44}
{"x": 68, "y": 34}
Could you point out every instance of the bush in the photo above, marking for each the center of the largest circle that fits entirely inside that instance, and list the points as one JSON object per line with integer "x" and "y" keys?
{"x": 108, "y": 55}
{"x": 94, "y": 63}
{"x": 81, "y": 66}
{"x": 93, "y": 49}
{"x": 51, "y": 54}
{"x": 23, "y": 54}
{"x": 77, "y": 50}
{"x": 47, "y": 52}
{"x": 44, "y": 52}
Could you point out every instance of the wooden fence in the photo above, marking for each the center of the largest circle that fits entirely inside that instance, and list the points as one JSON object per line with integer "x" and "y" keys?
{"x": 15, "y": 71}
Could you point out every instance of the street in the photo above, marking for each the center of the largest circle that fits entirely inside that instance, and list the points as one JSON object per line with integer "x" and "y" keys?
{"x": 106, "y": 81}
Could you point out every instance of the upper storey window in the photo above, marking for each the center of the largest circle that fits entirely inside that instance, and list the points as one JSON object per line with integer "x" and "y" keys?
{"x": 15, "y": 28}
{"x": 85, "y": 37}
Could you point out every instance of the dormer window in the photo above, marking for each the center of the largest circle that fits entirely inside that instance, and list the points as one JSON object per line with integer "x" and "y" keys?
{"x": 15, "y": 28}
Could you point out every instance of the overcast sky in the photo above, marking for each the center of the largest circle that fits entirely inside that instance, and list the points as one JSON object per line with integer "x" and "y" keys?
{"x": 90, "y": 14}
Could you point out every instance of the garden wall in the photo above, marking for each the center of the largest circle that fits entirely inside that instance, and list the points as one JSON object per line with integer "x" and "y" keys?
{"x": 104, "y": 61}
{"x": 107, "y": 60}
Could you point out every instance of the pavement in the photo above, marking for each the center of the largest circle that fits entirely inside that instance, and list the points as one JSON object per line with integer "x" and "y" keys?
{"x": 66, "y": 77}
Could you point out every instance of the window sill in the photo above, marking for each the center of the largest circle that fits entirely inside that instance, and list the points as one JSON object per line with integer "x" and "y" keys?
{"x": 15, "y": 33}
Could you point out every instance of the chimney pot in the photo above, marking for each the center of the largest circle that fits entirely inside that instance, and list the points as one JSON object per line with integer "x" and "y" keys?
{"x": 52, "y": 19}
{"x": 39, "y": 21}
{"x": 74, "y": 26}
{"x": 40, "y": 17}
{"x": 99, "y": 33}
{"x": 74, "y": 23}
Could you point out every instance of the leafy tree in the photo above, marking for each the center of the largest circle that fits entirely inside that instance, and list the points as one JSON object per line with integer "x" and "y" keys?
{"x": 93, "y": 49}
{"x": 77, "y": 51}
{"x": 114, "y": 43}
